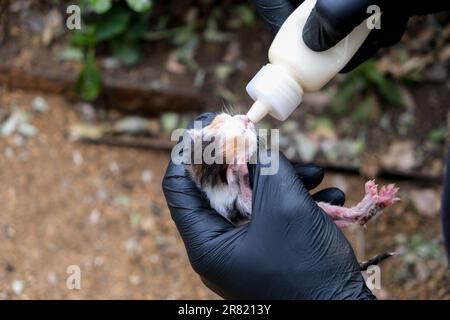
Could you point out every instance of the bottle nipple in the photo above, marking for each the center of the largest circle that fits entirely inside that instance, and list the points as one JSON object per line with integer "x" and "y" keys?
{"x": 258, "y": 111}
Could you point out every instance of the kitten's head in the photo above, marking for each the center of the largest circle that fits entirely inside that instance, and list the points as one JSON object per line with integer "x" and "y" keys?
{"x": 226, "y": 143}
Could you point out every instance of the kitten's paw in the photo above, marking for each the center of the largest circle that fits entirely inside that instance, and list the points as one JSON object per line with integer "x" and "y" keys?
{"x": 375, "y": 201}
{"x": 388, "y": 195}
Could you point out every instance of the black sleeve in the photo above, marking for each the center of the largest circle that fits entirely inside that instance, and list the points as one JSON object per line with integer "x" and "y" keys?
{"x": 446, "y": 209}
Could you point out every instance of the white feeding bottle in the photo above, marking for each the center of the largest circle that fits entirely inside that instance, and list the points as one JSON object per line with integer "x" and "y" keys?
{"x": 278, "y": 87}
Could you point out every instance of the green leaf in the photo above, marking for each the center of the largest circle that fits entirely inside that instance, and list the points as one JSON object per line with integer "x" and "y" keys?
{"x": 364, "y": 111}
{"x": 99, "y": 6}
{"x": 128, "y": 53}
{"x": 245, "y": 13}
{"x": 112, "y": 24}
{"x": 386, "y": 87}
{"x": 140, "y": 5}
{"x": 437, "y": 135}
{"x": 390, "y": 91}
{"x": 137, "y": 30}
{"x": 84, "y": 37}
{"x": 223, "y": 71}
{"x": 352, "y": 85}
{"x": 88, "y": 83}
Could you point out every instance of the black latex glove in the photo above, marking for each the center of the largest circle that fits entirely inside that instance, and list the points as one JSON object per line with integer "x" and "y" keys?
{"x": 330, "y": 21}
{"x": 289, "y": 250}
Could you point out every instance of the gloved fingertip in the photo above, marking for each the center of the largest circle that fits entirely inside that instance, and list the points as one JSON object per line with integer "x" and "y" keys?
{"x": 310, "y": 174}
{"x": 332, "y": 196}
{"x": 313, "y": 34}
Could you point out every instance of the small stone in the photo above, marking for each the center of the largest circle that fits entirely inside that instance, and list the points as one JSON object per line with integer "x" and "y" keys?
{"x": 94, "y": 216}
{"x": 9, "y": 153}
{"x": 306, "y": 147}
{"x": 154, "y": 258}
{"x": 405, "y": 122}
{"x": 87, "y": 111}
{"x": 343, "y": 150}
{"x": 422, "y": 271}
{"x": 114, "y": 167}
{"x": 400, "y": 156}
{"x": 102, "y": 195}
{"x": 77, "y": 158}
{"x": 132, "y": 245}
{"x": 426, "y": 201}
{"x": 98, "y": 261}
{"x": 437, "y": 73}
{"x": 146, "y": 176}
{"x": 18, "y": 141}
{"x": 148, "y": 224}
{"x": 290, "y": 126}
{"x": 52, "y": 278}
{"x": 10, "y": 232}
{"x": 13, "y": 123}
{"x": 18, "y": 286}
{"x": 110, "y": 63}
{"x": 232, "y": 52}
{"x": 436, "y": 168}
{"x": 161, "y": 240}
{"x": 385, "y": 121}
{"x": 155, "y": 208}
{"x": 27, "y": 130}
{"x": 290, "y": 152}
{"x": 173, "y": 65}
{"x": 35, "y": 22}
{"x": 132, "y": 125}
{"x": 39, "y": 104}
{"x": 135, "y": 279}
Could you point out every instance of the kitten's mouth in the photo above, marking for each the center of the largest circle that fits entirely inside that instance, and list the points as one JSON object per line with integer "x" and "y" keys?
{"x": 248, "y": 124}
{"x": 245, "y": 120}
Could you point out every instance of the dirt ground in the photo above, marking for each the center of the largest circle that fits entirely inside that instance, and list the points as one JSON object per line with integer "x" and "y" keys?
{"x": 65, "y": 203}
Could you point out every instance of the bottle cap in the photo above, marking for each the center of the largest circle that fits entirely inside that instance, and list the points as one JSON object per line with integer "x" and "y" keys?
{"x": 275, "y": 92}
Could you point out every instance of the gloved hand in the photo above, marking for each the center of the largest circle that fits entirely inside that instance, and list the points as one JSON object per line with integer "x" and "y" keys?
{"x": 330, "y": 21}
{"x": 289, "y": 250}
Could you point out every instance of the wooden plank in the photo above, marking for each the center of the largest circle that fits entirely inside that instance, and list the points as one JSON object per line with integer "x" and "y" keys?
{"x": 126, "y": 97}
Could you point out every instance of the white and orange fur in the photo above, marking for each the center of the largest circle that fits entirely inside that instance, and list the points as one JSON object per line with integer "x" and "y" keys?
{"x": 227, "y": 184}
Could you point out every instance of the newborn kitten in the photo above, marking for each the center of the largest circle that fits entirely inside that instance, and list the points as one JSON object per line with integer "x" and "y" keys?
{"x": 226, "y": 182}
